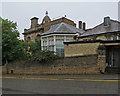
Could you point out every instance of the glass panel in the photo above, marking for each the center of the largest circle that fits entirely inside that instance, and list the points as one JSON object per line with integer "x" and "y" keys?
{"x": 109, "y": 38}
{"x": 68, "y": 40}
{"x": 44, "y": 47}
{"x": 51, "y": 48}
{"x": 60, "y": 51}
{"x": 51, "y": 42}
{"x": 44, "y": 43}
{"x": 59, "y": 42}
{"x": 114, "y": 37}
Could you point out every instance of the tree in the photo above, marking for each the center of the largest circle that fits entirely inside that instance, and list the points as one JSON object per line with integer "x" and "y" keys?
{"x": 38, "y": 55}
{"x": 12, "y": 47}
{"x": 15, "y": 49}
{"x": 34, "y": 46}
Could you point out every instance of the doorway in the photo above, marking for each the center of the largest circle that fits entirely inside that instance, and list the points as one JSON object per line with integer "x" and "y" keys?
{"x": 113, "y": 56}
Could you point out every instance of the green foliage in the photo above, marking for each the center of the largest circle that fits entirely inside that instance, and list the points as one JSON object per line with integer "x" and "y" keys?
{"x": 38, "y": 55}
{"x": 43, "y": 56}
{"x": 34, "y": 46}
{"x": 12, "y": 47}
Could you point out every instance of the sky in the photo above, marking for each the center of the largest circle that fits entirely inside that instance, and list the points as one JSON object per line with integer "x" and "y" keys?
{"x": 92, "y": 13}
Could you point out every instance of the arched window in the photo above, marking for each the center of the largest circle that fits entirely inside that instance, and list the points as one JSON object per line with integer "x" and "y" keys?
{"x": 28, "y": 39}
{"x": 38, "y": 37}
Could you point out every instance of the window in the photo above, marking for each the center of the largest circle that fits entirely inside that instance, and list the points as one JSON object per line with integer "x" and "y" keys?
{"x": 29, "y": 39}
{"x": 51, "y": 48}
{"x": 44, "y": 43}
{"x": 114, "y": 37}
{"x": 68, "y": 40}
{"x": 51, "y": 42}
{"x": 44, "y": 47}
{"x": 118, "y": 37}
{"x": 109, "y": 37}
{"x": 60, "y": 51}
{"x": 59, "y": 42}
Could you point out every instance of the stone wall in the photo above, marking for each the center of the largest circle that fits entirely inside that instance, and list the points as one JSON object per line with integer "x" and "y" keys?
{"x": 81, "y": 49}
{"x": 102, "y": 58}
{"x": 72, "y": 65}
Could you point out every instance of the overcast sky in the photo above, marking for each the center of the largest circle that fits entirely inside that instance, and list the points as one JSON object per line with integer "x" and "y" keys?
{"x": 92, "y": 13}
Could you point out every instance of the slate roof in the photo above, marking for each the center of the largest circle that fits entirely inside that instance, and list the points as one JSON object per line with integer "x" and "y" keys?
{"x": 63, "y": 28}
{"x": 101, "y": 29}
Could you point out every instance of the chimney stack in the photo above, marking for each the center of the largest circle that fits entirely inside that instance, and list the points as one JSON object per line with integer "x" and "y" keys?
{"x": 34, "y": 22}
{"x": 84, "y": 25}
{"x": 106, "y": 21}
{"x": 80, "y": 25}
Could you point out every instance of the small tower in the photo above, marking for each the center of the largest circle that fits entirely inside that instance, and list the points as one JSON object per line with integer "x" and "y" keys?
{"x": 46, "y": 19}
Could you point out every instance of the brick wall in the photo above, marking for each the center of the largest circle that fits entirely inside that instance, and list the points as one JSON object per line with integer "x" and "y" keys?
{"x": 71, "y": 65}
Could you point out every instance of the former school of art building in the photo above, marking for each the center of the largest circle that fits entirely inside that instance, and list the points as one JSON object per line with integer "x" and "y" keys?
{"x": 100, "y": 44}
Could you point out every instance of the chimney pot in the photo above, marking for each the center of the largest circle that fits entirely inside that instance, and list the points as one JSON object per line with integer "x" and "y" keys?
{"x": 84, "y": 25}
{"x": 80, "y": 25}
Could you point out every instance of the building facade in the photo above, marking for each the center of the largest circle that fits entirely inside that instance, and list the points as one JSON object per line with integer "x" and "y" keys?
{"x": 36, "y": 29}
{"x": 102, "y": 41}
{"x": 53, "y": 33}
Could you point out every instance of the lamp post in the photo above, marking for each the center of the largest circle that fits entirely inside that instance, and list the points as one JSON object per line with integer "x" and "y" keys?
{"x": 7, "y": 72}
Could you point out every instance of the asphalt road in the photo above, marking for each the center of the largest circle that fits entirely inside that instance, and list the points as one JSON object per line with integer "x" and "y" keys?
{"x": 58, "y": 86}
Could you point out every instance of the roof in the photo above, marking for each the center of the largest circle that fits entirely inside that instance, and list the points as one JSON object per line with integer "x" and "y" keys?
{"x": 34, "y": 18}
{"x": 101, "y": 29}
{"x": 92, "y": 41}
{"x": 62, "y": 28}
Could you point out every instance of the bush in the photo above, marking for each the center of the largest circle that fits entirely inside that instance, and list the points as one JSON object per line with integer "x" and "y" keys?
{"x": 43, "y": 56}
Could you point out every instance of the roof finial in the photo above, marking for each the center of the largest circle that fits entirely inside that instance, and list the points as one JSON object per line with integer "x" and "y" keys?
{"x": 46, "y": 13}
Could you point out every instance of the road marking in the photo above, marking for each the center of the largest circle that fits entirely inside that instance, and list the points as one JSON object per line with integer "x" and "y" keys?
{"x": 68, "y": 79}
{"x": 104, "y": 80}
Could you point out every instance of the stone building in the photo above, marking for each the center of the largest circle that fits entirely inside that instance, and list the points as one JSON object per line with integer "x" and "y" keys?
{"x": 34, "y": 32}
{"x": 53, "y": 33}
{"x": 102, "y": 41}
{"x": 60, "y": 32}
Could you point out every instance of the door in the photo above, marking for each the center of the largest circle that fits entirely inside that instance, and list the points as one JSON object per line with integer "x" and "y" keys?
{"x": 116, "y": 57}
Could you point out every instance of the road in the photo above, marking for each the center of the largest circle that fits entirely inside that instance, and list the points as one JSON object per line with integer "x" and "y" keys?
{"x": 60, "y": 85}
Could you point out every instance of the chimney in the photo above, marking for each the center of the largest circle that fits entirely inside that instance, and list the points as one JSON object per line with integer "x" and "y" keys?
{"x": 84, "y": 25}
{"x": 34, "y": 22}
{"x": 80, "y": 25}
{"x": 106, "y": 21}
